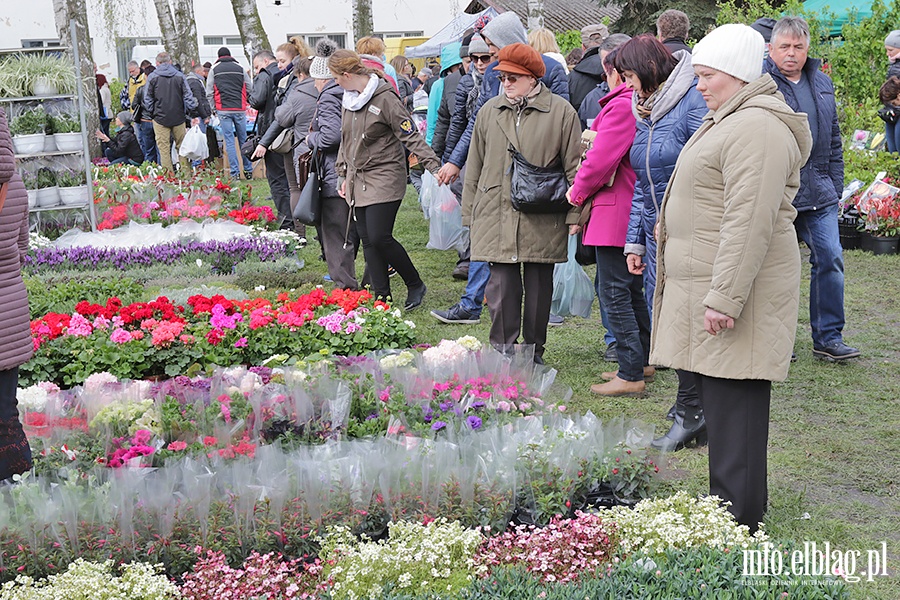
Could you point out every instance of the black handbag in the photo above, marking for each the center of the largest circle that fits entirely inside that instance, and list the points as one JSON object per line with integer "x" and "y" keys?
{"x": 308, "y": 209}
{"x": 538, "y": 190}
{"x": 889, "y": 114}
{"x": 252, "y": 141}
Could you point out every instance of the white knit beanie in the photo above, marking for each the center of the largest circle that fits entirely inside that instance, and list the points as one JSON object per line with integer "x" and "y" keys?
{"x": 738, "y": 50}
{"x": 318, "y": 68}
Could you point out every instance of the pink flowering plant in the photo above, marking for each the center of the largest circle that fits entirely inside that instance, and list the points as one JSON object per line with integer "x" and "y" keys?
{"x": 267, "y": 575}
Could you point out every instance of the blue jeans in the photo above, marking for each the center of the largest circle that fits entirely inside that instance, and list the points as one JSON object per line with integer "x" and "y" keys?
{"x": 147, "y": 140}
{"x": 234, "y": 123}
{"x": 121, "y": 159}
{"x": 892, "y": 137}
{"x": 626, "y": 307}
{"x": 608, "y": 337}
{"x": 819, "y": 230}
{"x": 473, "y": 298}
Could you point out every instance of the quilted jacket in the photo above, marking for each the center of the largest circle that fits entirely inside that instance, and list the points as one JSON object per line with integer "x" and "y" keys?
{"x": 822, "y": 178}
{"x": 554, "y": 78}
{"x": 732, "y": 246}
{"x": 325, "y": 136}
{"x": 608, "y": 160}
{"x": 675, "y": 117}
{"x": 547, "y": 129}
{"x": 15, "y": 328}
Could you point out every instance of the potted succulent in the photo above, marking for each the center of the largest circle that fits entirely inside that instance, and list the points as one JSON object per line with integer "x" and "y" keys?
{"x": 28, "y": 130}
{"x": 47, "y": 188}
{"x": 66, "y": 132}
{"x": 29, "y": 178}
{"x": 72, "y": 187}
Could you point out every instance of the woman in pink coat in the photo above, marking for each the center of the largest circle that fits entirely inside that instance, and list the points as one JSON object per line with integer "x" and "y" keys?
{"x": 606, "y": 180}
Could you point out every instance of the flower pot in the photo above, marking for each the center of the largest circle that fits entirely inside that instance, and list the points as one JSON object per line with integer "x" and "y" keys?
{"x": 32, "y": 198}
{"x": 29, "y": 144}
{"x": 44, "y": 87}
{"x": 68, "y": 142}
{"x": 49, "y": 144}
{"x": 47, "y": 197}
{"x": 73, "y": 196}
{"x": 850, "y": 236}
{"x": 877, "y": 244}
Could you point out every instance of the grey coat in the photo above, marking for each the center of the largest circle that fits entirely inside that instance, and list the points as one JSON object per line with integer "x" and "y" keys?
{"x": 325, "y": 137}
{"x": 297, "y": 111}
{"x": 15, "y": 327}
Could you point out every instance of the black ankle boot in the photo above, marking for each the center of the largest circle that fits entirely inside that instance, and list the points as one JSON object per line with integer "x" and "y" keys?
{"x": 671, "y": 414}
{"x": 689, "y": 425}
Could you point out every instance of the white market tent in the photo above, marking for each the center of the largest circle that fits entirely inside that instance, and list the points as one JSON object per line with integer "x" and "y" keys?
{"x": 452, "y": 32}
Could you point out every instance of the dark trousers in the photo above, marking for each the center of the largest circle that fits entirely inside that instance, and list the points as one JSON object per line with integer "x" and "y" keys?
{"x": 737, "y": 421}
{"x": 278, "y": 184}
{"x": 340, "y": 257}
{"x": 15, "y": 454}
{"x": 375, "y": 225}
{"x": 504, "y": 293}
{"x": 687, "y": 396}
{"x": 626, "y": 308}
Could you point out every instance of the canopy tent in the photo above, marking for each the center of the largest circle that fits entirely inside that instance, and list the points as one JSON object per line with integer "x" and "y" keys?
{"x": 841, "y": 10}
{"x": 452, "y": 32}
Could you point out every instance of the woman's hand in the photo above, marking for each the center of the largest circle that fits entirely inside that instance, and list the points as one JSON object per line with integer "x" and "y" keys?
{"x": 259, "y": 152}
{"x": 656, "y": 231}
{"x": 101, "y": 136}
{"x": 635, "y": 264}
{"x": 448, "y": 174}
{"x": 714, "y": 321}
{"x": 342, "y": 189}
{"x": 569, "y": 197}
{"x": 574, "y": 229}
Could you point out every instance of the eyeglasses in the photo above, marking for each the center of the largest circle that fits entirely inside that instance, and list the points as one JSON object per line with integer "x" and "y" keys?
{"x": 485, "y": 58}
{"x": 510, "y": 78}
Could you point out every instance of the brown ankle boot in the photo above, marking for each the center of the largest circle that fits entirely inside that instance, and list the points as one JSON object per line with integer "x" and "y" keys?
{"x": 619, "y": 387}
{"x": 649, "y": 374}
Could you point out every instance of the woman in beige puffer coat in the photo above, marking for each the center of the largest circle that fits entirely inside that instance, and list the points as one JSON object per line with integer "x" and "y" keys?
{"x": 728, "y": 271}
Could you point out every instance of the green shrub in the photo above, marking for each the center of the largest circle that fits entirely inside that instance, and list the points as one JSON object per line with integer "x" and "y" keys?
{"x": 61, "y": 297}
{"x": 864, "y": 165}
{"x": 284, "y": 275}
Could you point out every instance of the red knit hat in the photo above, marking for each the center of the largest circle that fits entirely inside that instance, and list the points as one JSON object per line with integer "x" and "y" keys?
{"x": 521, "y": 59}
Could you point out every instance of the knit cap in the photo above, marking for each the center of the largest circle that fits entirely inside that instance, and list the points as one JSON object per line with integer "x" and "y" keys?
{"x": 893, "y": 39}
{"x": 318, "y": 68}
{"x": 478, "y": 47}
{"x": 126, "y": 117}
{"x": 735, "y": 49}
{"x": 505, "y": 29}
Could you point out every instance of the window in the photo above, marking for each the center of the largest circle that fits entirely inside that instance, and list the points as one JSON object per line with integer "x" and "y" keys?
{"x": 399, "y": 34}
{"x": 312, "y": 39}
{"x": 222, "y": 40}
{"x": 40, "y": 43}
{"x": 148, "y": 42}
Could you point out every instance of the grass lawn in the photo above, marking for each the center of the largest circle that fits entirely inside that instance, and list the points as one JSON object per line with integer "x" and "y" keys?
{"x": 834, "y": 444}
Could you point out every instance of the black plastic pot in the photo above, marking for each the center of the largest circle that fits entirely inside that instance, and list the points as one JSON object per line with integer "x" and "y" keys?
{"x": 850, "y": 236}
{"x": 877, "y": 244}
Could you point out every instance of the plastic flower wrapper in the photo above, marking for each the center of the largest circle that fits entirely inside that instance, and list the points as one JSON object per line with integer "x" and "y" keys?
{"x": 269, "y": 404}
{"x": 331, "y": 401}
{"x": 447, "y": 359}
{"x": 200, "y": 481}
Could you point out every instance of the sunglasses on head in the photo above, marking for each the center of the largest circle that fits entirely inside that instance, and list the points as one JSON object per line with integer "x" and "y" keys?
{"x": 485, "y": 58}
{"x": 504, "y": 77}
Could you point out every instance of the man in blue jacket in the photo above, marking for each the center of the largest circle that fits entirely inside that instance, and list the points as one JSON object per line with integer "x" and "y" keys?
{"x": 807, "y": 89}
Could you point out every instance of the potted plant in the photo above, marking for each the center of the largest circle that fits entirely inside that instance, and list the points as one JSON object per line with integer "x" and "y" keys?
{"x": 47, "y": 188}
{"x": 72, "y": 187}
{"x": 29, "y": 178}
{"x": 28, "y": 130}
{"x": 66, "y": 132}
{"x": 879, "y": 209}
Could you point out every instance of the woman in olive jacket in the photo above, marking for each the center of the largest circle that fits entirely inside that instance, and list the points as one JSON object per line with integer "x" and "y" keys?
{"x": 15, "y": 332}
{"x": 521, "y": 247}
{"x": 372, "y": 169}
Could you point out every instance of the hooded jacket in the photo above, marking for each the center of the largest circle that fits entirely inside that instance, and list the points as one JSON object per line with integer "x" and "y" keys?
{"x": 727, "y": 240}
{"x": 822, "y": 178}
{"x": 297, "y": 112}
{"x": 198, "y": 89}
{"x": 371, "y": 157}
{"x": 675, "y": 117}
{"x": 585, "y": 76}
{"x": 610, "y": 205}
{"x": 15, "y": 325}
{"x": 325, "y": 137}
{"x": 168, "y": 98}
{"x": 460, "y": 116}
{"x": 227, "y": 85}
{"x": 546, "y": 130}
{"x": 554, "y": 78}
{"x": 263, "y": 96}
{"x": 125, "y": 143}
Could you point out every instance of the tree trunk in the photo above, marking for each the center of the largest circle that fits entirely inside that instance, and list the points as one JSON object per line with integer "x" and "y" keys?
{"x": 188, "y": 53}
{"x": 63, "y": 12}
{"x": 250, "y": 25}
{"x": 363, "y": 25}
{"x": 535, "y": 14}
{"x": 167, "y": 27}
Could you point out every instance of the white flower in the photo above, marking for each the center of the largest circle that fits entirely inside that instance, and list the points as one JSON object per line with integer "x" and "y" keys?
{"x": 199, "y": 263}
{"x": 470, "y": 343}
{"x": 410, "y": 324}
{"x": 32, "y": 398}
{"x": 260, "y": 288}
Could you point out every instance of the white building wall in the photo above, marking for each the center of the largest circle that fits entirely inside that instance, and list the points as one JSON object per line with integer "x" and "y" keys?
{"x": 113, "y": 19}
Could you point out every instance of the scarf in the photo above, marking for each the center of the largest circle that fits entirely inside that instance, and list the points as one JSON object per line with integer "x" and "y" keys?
{"x": 354, "y": 100}
{"x": 474, "y": 93}
{"x": 644, "y": 106}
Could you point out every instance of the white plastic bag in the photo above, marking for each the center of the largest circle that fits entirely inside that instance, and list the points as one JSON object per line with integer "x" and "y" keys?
{"x": 573, "y": 292}
{"x": 445, "y": 229}
{"x": 193, "y": 146}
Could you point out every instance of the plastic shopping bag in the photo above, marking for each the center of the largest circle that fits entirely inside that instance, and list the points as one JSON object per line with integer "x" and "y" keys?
{"x": 573, "y": 293}
{"x": 445, "y": 229}
{"x": 194, "y": 146}
{"x": 429, "y": 188}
